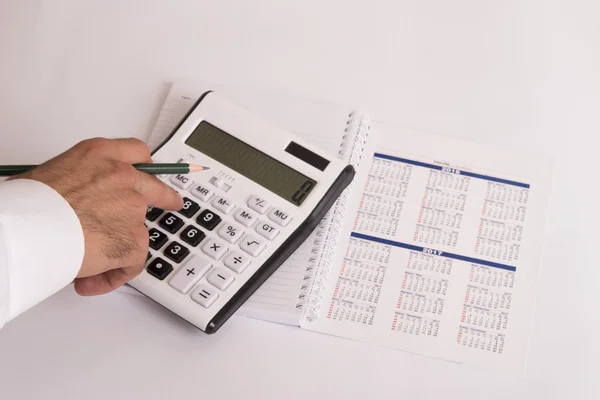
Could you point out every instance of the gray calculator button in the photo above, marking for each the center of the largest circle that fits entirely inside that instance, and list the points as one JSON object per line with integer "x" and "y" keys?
{"x": 258, "y": 204}
{"x": 280, "y": 217}
{"x": 202, "y": 192}
{"x": 252, "y": 245}
{"x": 236, "y": 262}
{"x": 231, "y": 232}
{"x": 221, "y": 278}
{"x": 267, "y": 230}
{"x": 222, "y": 204}
{"x": 244, "y": 217}
{"x": 214, "y": 249}
{"x": 182, "y": 181}
{"x": 189, "y": 274}
{"x": 204, "y": 295}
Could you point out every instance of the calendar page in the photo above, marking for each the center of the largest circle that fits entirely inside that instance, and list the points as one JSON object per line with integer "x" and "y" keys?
{"x": 442, "y": 252}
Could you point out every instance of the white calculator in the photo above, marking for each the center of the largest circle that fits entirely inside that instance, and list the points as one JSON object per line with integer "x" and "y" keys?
{"x": 265, "y": 192}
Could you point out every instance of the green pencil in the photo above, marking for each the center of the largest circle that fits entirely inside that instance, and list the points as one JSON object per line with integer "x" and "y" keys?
{"x": 153, "y": 169}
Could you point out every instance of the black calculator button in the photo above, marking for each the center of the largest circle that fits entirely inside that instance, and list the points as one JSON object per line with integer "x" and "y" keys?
{"x": 176, "y": 252}
{"x": 192, "y": 235}
{"x": 170, "y": 223}
{"x": 189, "y": 208}
{"x": 159, "y": 268}
{"x": 157, "y": 239}
{"x": 208, "y": 219}
{"x": 152, "y": 213}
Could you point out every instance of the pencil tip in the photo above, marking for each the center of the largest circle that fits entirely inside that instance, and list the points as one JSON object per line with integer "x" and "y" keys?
{"x": 196, "y": 168}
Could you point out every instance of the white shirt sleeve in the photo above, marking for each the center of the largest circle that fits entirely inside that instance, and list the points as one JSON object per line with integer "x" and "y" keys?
{"x": 41, "y": 245}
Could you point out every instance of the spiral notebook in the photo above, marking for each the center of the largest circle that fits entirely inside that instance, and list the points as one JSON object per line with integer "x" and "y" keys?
{"x": 340, "y": 131}
{"x": 435, "y": 247}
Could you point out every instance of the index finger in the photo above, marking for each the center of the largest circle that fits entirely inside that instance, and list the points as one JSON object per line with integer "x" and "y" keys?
{"x": 157, "y": 193}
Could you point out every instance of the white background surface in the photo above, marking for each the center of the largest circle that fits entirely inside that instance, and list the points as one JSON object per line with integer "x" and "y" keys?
{"x": 513, "y": 73}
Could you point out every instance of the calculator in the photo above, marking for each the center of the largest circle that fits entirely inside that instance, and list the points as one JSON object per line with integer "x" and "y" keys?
{"x": 265, "y": 192}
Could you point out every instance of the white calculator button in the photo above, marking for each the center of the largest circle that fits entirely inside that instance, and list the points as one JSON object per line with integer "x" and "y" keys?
{"x": 252, "y": 245}
{"x": 258, "y": 204}
{"x": 267, "y": 230}
{"x": 223, "y": 205}
{"x": 244, "y": 217}
{"x": 182, "y": 181}
{"x": 236, "y": 261}
{"x": 221, "y": 278}
{"x": 189, "y": 274}
{"x": 204, "y": 295}
{"x": 214, "y": 249}
{"x": 231, "y": 232}
{"x": 279, "y": 217}
{"x": 202, "y": 192}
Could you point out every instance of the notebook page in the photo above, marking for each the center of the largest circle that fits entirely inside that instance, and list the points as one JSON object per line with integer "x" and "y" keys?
{"x": 277, "y": 300}
{"x": 443, "y": 253}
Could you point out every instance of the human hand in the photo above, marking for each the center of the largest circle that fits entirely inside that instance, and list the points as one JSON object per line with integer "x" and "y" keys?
{"x": 110, "y": 197}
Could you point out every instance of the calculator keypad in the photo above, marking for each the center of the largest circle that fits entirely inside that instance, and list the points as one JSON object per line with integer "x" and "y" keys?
{"x": 170, "y": 223}
{"x": 157, "y": 239}
{"x": 190, "y": 208}
{"x": 208, "y": 219}
{"x": 176, "y": 252}
{"x": 192, "y": 235}
{"x": 226, "y": 239}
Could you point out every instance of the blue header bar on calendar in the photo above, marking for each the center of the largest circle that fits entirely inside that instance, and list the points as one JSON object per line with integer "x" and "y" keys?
{"x": 433, "y": 252}
{"x": 452, "y": 170}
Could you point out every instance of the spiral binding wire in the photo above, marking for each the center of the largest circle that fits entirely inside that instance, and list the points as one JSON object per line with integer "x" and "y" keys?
{"x": 328, "y": 231}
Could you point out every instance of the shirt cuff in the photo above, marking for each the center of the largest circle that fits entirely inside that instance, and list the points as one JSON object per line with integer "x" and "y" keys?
{"x": 43, "y": 239}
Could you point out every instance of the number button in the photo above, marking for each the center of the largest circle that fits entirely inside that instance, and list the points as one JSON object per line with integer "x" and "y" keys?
{"x": 204, "y": 295}
{"x": 189, "y": 208}
{"x": 208, "y": 219}
{"x": 258, "y": 204}
{"x": 176, "y": 252}
{"x": 223, "y": 205}
{"x": 191, "y": 273}
{"x": 182, "y": 181}
{"x": 267, "y": 230}
{"x": 170, "y": 223}
{"x": 214, "y": 249}
{"x": 221, "y": 278}
{"x": 252, "y": 245}
{"x": 159, "y": 268}
{"x": 231, "y": 233}
{"x": 244, "y": 217}
{"x": 279, "y": 217}
{"x": 152, "y": 213}
{"x": 236, "y": 262}
{"x": 192, "y": 235}
{"x": 157, "y": 239}
{"x": 202, "y": 192}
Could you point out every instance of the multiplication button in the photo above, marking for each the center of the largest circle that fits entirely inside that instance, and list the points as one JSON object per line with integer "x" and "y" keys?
{"x": 214, "y": 249}
{"x": 252, "y": 245}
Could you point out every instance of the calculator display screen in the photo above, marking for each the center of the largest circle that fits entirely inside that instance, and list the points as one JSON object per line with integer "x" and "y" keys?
{"x": 250, "y": 162}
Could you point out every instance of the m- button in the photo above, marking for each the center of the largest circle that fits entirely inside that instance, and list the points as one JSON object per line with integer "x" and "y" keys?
{"x": 279, "y": 217}
{"x": 182, "y": 181}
